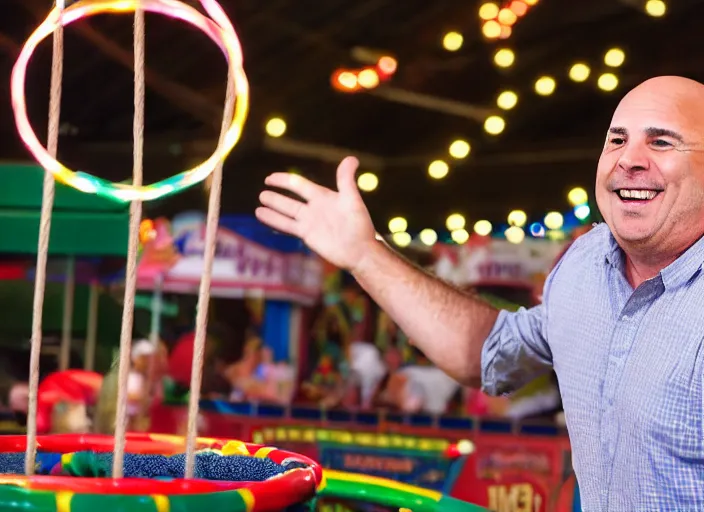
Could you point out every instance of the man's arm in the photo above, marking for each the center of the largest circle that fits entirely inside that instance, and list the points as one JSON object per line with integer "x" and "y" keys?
{"x": 448, "y": 326}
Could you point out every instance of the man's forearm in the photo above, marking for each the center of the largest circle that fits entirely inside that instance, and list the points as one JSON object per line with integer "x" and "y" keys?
{"x": 448, "y": 326}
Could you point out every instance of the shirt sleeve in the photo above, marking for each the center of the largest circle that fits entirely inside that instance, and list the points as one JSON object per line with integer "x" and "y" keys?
{"x": 517, "y": 350}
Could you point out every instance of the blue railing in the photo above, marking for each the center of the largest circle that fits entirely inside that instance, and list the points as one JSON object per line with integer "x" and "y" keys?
{"x": 342, "y": 417}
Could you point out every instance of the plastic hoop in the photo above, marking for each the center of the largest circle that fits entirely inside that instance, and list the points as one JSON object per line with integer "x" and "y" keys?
{"x": 218, "y": 28}
{"x": 370, "y": 489}
{"x": 76, "y": 494}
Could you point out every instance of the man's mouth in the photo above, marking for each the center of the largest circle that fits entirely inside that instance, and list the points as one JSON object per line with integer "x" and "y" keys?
{"x": 637, "y": 195}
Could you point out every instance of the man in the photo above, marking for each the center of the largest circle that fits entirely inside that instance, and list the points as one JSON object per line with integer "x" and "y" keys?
{"x": 621, "y": 320}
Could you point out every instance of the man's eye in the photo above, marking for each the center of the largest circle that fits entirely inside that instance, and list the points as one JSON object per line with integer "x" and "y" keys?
{"x": 616, "y": 140}
{"x": 661, "y": 143}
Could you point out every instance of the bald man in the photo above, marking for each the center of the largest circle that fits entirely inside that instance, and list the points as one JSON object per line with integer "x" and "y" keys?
{"x": 622, "y": 318}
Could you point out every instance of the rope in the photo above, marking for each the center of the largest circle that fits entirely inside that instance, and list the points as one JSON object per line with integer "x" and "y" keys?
{"x": 133, "y": 246}
{"x": 57, "y": 66}
{"x": 211, "y": 230}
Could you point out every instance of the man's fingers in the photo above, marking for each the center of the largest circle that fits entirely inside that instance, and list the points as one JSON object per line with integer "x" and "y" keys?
{"x": 277, "y": 220}
{"x": 280, "y": 203}
{"x": 346, "y": 182}
{"x": 294, "y": 183}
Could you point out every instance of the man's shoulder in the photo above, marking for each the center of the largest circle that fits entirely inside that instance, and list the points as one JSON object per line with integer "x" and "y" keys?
{"x": 583, "y": 260}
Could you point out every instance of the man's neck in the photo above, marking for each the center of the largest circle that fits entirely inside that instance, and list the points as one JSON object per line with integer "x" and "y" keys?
{"x": 639, "y": 270}
{"x": 642, "y": 265}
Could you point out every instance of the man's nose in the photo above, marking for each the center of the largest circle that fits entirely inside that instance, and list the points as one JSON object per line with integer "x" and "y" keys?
{"x": 634, "y": 158}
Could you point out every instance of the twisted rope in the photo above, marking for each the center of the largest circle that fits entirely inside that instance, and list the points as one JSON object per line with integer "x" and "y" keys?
{"x": 57, "y": 68}
{"x": 132, "y": 248}
{"x": 211, "y": 230}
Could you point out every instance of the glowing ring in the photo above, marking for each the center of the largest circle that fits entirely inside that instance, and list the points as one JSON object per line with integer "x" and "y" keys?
{"x": 370, "y": 489}
{"x": 217, "y": 27}
{"x": 77, "y": 494}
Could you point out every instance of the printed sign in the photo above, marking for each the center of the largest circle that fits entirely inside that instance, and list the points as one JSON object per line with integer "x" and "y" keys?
{"x": 515, "y": 497}
{"x": 496, "y": 262}
{"x": 428, "y": 471}
{"x": 241, "y": 267}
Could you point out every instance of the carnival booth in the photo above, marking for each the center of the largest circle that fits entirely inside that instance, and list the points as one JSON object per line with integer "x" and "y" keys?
{"x": 86, "y": 251}
{"x": 274, "y": 273}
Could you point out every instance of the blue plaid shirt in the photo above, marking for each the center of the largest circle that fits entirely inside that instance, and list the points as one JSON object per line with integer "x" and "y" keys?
{"x": 630, "y": 365}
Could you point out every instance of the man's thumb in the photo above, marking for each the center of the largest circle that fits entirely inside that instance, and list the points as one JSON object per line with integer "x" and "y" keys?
{"x": 346, "y": 182}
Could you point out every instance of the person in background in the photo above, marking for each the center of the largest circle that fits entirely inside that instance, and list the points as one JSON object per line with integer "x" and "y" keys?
{"x": 139, "y": 397}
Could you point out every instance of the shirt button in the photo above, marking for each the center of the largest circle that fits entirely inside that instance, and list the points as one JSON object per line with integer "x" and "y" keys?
{"x": 625, "y": 318}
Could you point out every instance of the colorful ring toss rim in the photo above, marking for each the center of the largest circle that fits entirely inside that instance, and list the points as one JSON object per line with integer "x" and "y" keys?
{"x": 83, "y": 494}
{"x": 218, "y": 28}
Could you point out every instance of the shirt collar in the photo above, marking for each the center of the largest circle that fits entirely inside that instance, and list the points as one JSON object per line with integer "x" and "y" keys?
{"x": 675, "y": 274}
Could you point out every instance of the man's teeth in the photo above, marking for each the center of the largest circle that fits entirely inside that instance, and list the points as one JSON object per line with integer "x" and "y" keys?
{"x": 637, "y": 194}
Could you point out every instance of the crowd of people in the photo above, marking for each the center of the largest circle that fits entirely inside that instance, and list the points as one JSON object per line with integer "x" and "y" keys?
{"x": 355, "y": 357}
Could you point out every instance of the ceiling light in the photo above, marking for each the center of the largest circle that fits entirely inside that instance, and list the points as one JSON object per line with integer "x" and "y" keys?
{"x": 579, "y": 72}
{"x": 507, "y": 100}
{"x": 398, "y": 224}
{"x": 514, "y": 234}
{"x": 614, "y": 58}
{"x": 507, "y": 17}
{"x": 582, "y": 211}
{"x": 452, "y": 41}
{"x": 504, "y": 58}
{"x": 494, "y": 125}
{"x": 428, "y": 236}
{"x": 402, "y": 239}
{"x": 368, "y": 78}
{"x": 577, "y": 196}
{"x": 607, "y": 82}
{"x": 545, "y": 85}
{"x": 491, "y": 29}
{"x": 347, "y": 79}
{"x": 455, "y": 221}
{"x": 517, "y": 218}
{"x": 482, "y": 227}
{"x": 488, "y": 11}
{"x": 438, "y": 169}
{"x": 367, "y": 182}
{"x": 655, "y": 8}
{"x": 459, "y": 149}
{"x": 460, "y": 236}
{"x": 275, "y": 127}
{"x": 519, "y": 7}
{"x": 553, "y": 220}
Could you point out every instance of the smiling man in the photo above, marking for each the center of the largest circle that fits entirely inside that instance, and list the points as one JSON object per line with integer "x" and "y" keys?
{"x": 621, "y": 321}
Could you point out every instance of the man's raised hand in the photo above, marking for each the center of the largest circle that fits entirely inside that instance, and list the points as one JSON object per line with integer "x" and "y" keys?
{"x": 334, "y": 224}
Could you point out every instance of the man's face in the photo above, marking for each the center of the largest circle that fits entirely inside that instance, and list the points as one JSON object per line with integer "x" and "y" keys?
{"x": 650, "y": 177}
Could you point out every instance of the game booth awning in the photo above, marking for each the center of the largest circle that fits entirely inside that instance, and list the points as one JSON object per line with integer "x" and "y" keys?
{"x": 486, "y": 263}
{"x": 250, "y": 260}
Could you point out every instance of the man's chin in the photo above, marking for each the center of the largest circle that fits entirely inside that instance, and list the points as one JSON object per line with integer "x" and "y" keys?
{"x": 633, "y": 231}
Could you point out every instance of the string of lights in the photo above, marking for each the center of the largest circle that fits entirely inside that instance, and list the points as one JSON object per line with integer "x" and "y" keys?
{"x": 497, "y": 25}
{"x": 364, "y": 78}
{"x": 553, "y": 225}
{"x": 498, "y": 21}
